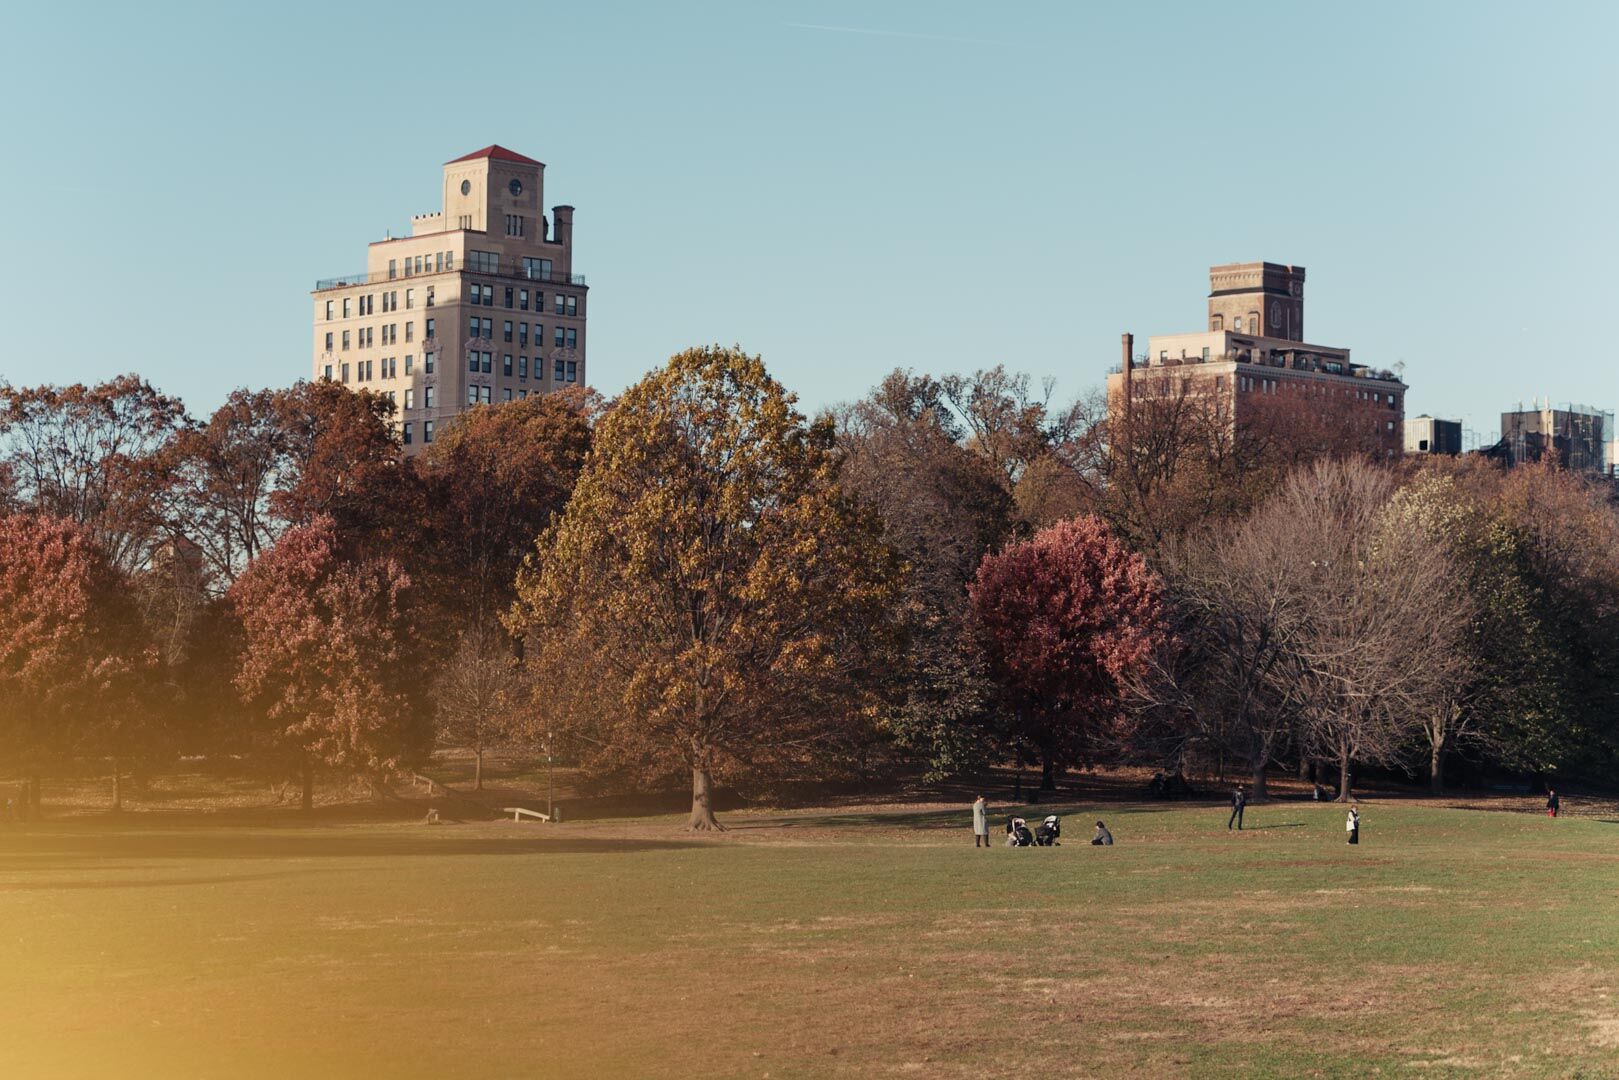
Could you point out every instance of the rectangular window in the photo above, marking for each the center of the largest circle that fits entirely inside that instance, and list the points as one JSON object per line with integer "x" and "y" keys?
{"x": 488, "y": 362}
{"x": 428, "y": 393}
{"x": 427, "y": 363}
{"x": 573, "y": 371}
{"x": 514, "y": 225}
{"x": 345, "y": 307}
{"x": 506, "y": 365}
{"x": 449, "y": 260}
{"x": 483, "y": 262}
{"x": 472, "y": 394}
{"x": 427, "y": 431}
{"x": 508, "y": 393}
{"x": 522, "y": 334}
{"x": 486, "y": 394}
{"x": 509, "y": 294}
{"x": 345, "y": 371}
{"x": 522, "y": 302}
{"x": 560, "y": 338}
{"x": 430, "y": 296}
{"x": 345, "y": 341}
{"x": 410, "y": 299}
{"x": 573, "y": 305}
{"x": 562, "y": 304}
{"x": 537, "y": 269}
{"x": 427, "y": 333}
{"x": 407, "y": 430}
{"x": 522, "y": 395}
{"x": 407, "y": 268}
{"x": 418, "y": 264}
{"x": 472, "y": 327}
{"x": 573, "y": 338}
{"x": 410, "y": 397}
{"x": 328, "y": 311}
{"x": 408, "y": 363}
{"x": 438, "y": 262}
{"x": 557, "y": 374}
{"x": 328, "y": 374}
{"x": 488, "y": 296}
{"x": 328, "y": 341}
{"x": 472, "y": 361}
{"x": 410, "y": 330}
{"x": 522, "y": 367}
{"x": 489, "y": 329}
{"x": 506, "y": 331}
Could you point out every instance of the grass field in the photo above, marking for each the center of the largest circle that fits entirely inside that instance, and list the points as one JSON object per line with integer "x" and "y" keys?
{"x": 851, "y": 943}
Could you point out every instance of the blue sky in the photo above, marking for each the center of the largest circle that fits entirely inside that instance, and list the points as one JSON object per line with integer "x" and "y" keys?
{"x": 844, "y": 189}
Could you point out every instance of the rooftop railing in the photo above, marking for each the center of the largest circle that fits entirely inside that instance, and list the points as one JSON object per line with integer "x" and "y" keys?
{"x": 506, "y": 268}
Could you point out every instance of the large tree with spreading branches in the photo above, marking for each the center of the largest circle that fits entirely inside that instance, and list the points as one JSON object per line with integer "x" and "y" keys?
{"x": 710, "y": 601}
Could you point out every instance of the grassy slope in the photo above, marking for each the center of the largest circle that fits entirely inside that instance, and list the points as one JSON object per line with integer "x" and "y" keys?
{"x": 1451, "y": 943}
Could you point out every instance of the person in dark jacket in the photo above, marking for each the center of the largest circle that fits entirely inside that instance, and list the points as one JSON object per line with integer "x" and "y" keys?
{"x": 1239, "y": 799}
{"x": 1553, "y": 803}
{"x": 1103, "y": 838}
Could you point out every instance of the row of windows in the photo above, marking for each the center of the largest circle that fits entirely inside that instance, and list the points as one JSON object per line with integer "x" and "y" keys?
{"x": 390, "y": 369}
{"x": 484, "y": 363}
{"x": 390, "y": 335}
{"x": 481, "y": 395}
{"x": 436, "y": 263}
{"x": 366, "y": 304}
{"x": 409, "y": 433}
{"x": 518, "y": 298}
{"x": 562, "y": 337}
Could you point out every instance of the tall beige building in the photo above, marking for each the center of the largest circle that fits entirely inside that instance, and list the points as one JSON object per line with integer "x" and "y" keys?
{"x": 479, "y": 304}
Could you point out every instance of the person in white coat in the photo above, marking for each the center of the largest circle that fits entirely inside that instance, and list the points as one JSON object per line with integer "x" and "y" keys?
{"x": 980, "y": 823}
{"x": 1352, "y": 825}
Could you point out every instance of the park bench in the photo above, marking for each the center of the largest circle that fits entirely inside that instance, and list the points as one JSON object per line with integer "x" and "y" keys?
{"x": 518, "y": 813}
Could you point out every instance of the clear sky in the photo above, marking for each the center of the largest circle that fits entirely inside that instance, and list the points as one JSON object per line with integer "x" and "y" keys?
{"x": 844, "y": 189}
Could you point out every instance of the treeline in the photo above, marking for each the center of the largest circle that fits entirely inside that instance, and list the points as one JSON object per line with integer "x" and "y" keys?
{"x": 695, "y": 579}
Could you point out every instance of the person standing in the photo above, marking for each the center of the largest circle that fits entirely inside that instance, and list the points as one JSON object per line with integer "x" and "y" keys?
{"x": 1239, "y": 799}
{"x": 1553, "y": 803}
{"x": 980, "y": 822}
{"x": 1352, "y": 825}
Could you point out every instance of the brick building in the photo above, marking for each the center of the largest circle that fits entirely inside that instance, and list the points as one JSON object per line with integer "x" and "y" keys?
{"x": 1253, "y": 355}
{"x": 479, "y": 304}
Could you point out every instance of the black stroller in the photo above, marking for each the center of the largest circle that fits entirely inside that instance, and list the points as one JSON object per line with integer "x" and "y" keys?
{"x": 1018, "y": 834}
{"x": 1048, "y": 832}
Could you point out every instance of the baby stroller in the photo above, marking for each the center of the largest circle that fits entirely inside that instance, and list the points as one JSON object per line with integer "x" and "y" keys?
{"x": 1018, "y": 834}
{"x": 1046, "y": 835}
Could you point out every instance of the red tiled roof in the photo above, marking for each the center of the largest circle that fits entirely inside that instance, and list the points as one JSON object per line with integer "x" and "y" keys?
{"x": 496, "y": 151}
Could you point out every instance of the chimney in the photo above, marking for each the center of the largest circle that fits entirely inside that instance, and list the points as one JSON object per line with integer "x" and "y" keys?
{"x": 562, "y": 227}
{"x": 1129, "y": 344}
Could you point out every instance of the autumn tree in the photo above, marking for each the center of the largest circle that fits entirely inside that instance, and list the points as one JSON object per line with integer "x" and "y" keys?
{"x": 330, "y": 656}
{"x": 942, "y": 507}
{"x": 69, "y": 645}
{"x": 710, "y": 601}
{"x": 90, "y": 454}
{"x": 1062, "y": 619}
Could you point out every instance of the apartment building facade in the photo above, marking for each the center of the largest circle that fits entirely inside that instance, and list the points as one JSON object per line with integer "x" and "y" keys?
{"x": 478, "y": 305}
{"x": 1253, "y": 356}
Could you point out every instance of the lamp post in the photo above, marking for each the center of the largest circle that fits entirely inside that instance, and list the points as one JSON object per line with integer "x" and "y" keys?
{"x": 550, "y": 785}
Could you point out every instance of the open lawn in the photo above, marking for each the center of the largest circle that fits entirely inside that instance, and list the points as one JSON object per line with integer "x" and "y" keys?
{"x": 861, "y": 942}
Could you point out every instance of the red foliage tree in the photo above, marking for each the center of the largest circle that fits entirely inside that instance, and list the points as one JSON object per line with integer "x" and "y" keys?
{"x": 1061, "y": 619}
{"x": 69, "y": 643}
{"x": 330, "y": 656}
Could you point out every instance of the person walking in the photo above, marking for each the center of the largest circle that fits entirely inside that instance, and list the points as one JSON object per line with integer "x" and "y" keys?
{"x": 980, "y": 822}
{"x": 1239, "y": 799}
{"x": 1553, "y": 803}
{"x": 1352, "y": 825}
{"x": 1103, "y": 838}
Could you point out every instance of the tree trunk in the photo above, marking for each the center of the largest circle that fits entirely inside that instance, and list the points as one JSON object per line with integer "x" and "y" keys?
{"x": 477, "y": 771}
{"x": 1305, "y": 770}
{"x": 308, "y": 803}
{"x": 117, "y": 788}
{"x": 1260, "y": 793}
{"x": 1048, "y": 771}
{"x": 702, "y": 805}
{"x": 1343, "y": 774}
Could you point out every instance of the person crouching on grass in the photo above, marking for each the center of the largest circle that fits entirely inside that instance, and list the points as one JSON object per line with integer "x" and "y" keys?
{"x": 1352, "y": 825}
{"x": 1103, "y": 838}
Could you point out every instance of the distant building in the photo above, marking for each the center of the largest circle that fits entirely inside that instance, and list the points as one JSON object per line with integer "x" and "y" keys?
{"x": 1578, "y": 436}
{"x": 479, "y": 304}
{"x": 1253, "y": 354}
{"x": 1426, "y": 435}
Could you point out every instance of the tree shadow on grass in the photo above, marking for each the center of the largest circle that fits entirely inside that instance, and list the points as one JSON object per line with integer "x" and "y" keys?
{"x": 224, "y": 844}
{"x": 145, "y": 883}
{"x": 1283, "y": 825}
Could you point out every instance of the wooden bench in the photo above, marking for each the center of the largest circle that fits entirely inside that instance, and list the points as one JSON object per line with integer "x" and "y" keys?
{"x": 518, "y": 813}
